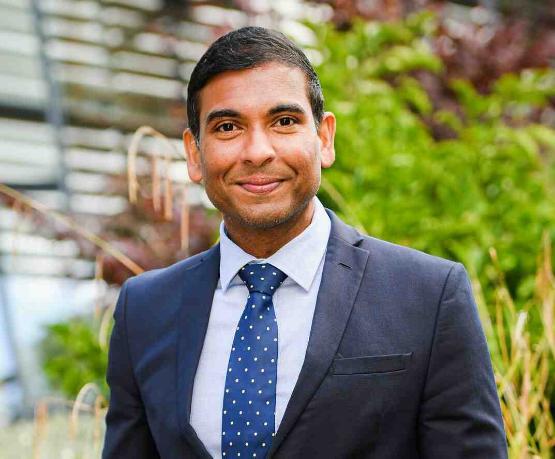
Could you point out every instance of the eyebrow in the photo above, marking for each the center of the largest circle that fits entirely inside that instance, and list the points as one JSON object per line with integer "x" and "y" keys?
{"x": 223, "y": 113}
{"x": 291, "y": 108}
{"x": 229, "y": 113}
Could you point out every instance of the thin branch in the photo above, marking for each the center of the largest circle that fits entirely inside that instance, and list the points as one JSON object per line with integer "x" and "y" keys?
{"x": 73, "y": 225}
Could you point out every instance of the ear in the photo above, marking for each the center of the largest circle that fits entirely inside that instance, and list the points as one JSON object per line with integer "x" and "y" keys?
{"x": 326, "y": 133}
{"x": 192, "y": 153}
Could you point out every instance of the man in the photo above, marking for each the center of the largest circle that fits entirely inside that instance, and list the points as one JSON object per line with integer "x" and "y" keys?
{"x": 295, "y": 336}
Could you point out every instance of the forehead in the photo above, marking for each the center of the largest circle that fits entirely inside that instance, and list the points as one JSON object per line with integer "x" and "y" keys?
{"x": 255, "y": 90}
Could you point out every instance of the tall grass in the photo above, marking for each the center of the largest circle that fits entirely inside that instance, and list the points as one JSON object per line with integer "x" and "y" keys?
{"x": 522, "y": 348}
{"x": 61, "y": 429}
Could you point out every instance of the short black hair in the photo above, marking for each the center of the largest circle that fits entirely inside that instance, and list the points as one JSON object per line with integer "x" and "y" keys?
{"x": 246, "y": 48}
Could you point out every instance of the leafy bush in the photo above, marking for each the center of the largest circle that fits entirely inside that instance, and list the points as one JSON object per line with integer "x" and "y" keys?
{"x": 486, "y": 184}
{"x": 73, "y": 357}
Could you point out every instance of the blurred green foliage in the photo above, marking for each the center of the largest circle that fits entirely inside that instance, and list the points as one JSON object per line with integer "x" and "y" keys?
{"x": 488, "y": 184}
{"x": 73, "y": 357}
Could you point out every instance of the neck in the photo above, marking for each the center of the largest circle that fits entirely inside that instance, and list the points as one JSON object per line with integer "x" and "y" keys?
{"x": 263, "y": 242}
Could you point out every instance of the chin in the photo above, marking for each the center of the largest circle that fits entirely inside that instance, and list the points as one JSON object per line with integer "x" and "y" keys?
{"x": 263, "y": 220}
{"x": 268, "y": 216}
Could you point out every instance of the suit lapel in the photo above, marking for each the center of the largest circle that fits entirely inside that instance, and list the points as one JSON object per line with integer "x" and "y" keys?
{"x": 341, "y": 277}
{"x": 197, "y": 292}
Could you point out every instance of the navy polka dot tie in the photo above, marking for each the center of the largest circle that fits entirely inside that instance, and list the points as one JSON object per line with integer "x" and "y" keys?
{"x": 248, "y": 417}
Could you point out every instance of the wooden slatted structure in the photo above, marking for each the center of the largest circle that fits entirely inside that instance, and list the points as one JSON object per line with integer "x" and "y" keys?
{"x": 108, "y": 67}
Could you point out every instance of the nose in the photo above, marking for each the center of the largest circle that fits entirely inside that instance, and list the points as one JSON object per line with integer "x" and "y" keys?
{"x": 258, "y": 148}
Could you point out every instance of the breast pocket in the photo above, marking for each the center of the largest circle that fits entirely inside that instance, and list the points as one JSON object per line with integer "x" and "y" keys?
{"x": 370, "y": 364}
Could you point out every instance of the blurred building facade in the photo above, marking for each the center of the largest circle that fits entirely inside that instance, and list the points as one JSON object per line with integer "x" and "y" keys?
{"x": 77, "y": 78}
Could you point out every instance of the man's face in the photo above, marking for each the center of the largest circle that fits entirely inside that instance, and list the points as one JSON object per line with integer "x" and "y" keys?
{"x": 260, "y": 155}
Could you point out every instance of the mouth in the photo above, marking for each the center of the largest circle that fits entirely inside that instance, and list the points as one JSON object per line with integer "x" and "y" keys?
{"x": 260, "y": 185}
{"x": 263, "y": 188}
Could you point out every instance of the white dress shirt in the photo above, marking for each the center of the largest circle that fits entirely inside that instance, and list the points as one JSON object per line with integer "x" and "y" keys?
{"x": 302, "y": 259}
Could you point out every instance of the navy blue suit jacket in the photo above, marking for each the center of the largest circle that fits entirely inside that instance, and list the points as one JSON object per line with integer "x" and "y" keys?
{"x": 397, "y": 365}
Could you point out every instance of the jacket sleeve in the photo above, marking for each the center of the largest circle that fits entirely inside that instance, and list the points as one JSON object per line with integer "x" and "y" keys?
{"x": 460, "y": 416}
{"x": 127, "y": 431}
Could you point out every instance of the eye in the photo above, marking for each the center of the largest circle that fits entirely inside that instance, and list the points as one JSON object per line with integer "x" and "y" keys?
{"x": 225, "y": 127}
{"x": 286, "y": 121}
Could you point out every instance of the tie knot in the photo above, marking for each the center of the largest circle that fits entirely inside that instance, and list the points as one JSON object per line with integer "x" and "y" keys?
{"x": 262, "y": 277}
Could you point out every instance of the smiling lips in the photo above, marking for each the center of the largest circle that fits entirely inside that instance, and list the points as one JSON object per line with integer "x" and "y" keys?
{"x": 260, "y": 185}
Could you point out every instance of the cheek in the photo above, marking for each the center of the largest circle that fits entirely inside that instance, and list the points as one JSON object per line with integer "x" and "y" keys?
{"x": 214, "y": 162}
{"x": 307, "y": 158}
{"x": 302, "y": 150}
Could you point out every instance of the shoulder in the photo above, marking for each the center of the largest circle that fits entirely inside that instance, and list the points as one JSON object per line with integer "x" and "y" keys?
{"x": 154, "y": 298}
{"x": 391, "y": 254}
{"x": 162, "y": 279}
{"x": 413, "y": 283}
{"x": 411, "y": 269}
{"x": 387, "y": 256}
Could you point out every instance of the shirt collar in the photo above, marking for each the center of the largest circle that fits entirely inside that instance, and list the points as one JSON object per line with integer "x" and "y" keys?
{"x": 311, "y": 243}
